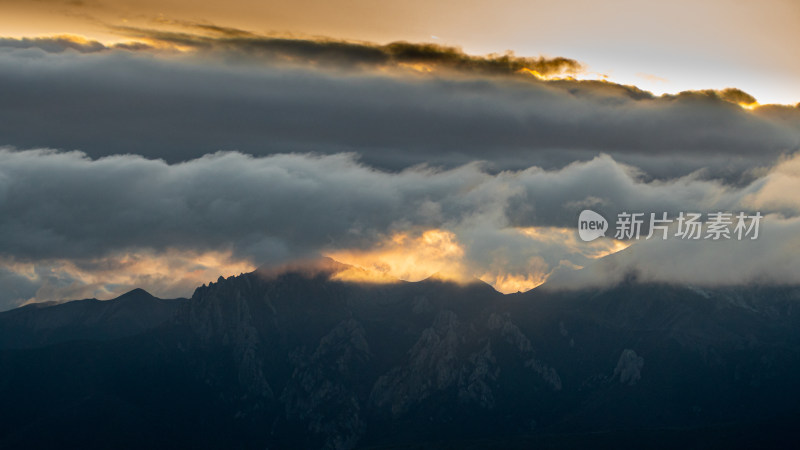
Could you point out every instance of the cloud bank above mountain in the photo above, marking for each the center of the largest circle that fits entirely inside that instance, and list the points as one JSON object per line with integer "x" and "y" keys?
{"x": 82, "y": 217}
{"x": 204, "y": 150}
{"x": 395, "y": 105}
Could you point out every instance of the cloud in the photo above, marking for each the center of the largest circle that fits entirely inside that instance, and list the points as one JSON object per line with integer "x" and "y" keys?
{"x": 54, "y": 44}
{"x": 410, "y": 257}
{"x": 66, "y": 42}
{"x": 83, "y": 218}
{"x": 732, "y": 95}
{"x": 212, "y": 38}
{"x": 180, "y": 106}
{"x": 404, "y": 159}
{"x": 169, "y": 274}
{"x": 652, "y": 78}
{"x": 771, "y": 259}
{"x": 271, "y": 208}
{"x": 779, "y": 190}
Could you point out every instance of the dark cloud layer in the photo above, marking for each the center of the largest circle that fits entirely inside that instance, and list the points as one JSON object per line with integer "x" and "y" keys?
{"x": 59, "y": 44}
{"x": 182, "y": 106}
{"x": 54, "y": 44}
{"x": 250, "y": 45}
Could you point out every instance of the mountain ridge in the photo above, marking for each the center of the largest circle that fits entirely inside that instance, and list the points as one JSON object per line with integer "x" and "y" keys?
{"x": 131, "y": 313}
{"x": 298, "y": 359}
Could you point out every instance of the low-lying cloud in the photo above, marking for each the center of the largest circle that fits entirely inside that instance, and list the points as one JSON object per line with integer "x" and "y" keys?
{"x": 79, "y": 216}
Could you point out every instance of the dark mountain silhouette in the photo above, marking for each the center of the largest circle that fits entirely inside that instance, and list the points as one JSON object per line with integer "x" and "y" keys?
{"x": 40, "y": 324}
{"x": 290, "y": 358}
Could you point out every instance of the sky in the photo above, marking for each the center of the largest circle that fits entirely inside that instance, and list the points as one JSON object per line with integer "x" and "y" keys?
{"x": 164, "y": 144}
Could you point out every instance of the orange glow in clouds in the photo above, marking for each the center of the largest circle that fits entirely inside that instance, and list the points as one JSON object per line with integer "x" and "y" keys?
{"x": 169, "y": 274}
{"x": 510, "y": 283}
{"x": 749, "y": 106}
{"x": 405, "y": 256}
{"x": 536, "y": 74}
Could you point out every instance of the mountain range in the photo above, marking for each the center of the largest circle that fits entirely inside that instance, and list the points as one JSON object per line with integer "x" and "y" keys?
{"x": 295, "y": 358}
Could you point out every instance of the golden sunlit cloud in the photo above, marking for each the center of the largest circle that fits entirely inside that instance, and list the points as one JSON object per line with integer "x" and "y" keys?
{"x": 168, "y": 274}
{"x": 355, "y": 274}
{"x": 418, "y": 67}
{"x": 540, "y": 76}
{"x": 406, "y": 257}
{"x": 413, "y": 257}
{"x": 750, "y": 106}
{"x": 568, "y": 238}
{"x": 510, "y": 283}
{"x": 509, "y": 278}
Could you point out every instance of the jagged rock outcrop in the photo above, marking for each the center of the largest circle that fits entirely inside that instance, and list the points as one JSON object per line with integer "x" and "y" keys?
{"x": 324, "y": 388}
{"x": 432, "y": 365}
{"x": 629, "y": 367}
